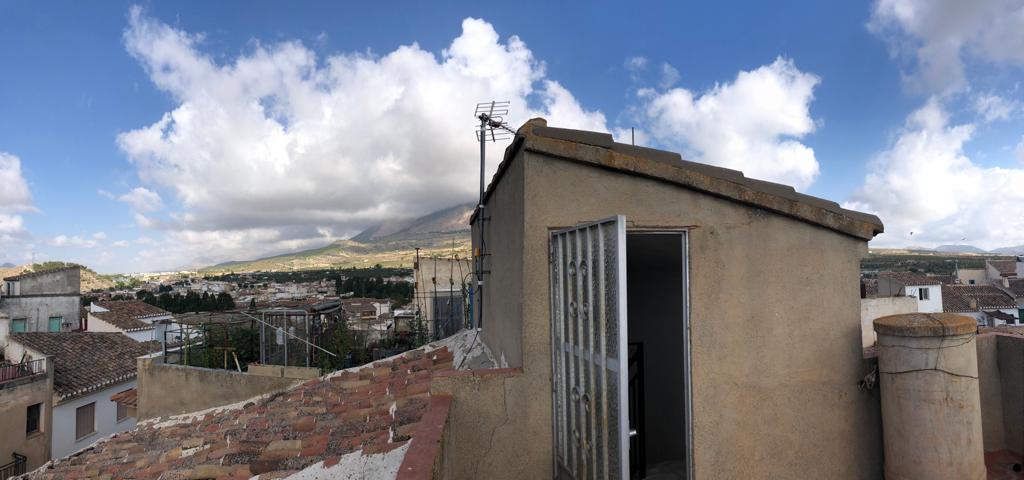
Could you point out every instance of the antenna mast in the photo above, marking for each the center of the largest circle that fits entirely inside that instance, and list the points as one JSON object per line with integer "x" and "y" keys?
{"x": 492, "y": 128}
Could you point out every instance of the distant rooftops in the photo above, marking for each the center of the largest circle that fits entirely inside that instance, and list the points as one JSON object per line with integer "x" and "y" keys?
{"x": 127, "y": 314}
{"x": 600, "y": 150}
{"x": 974, "y": 298}
{"x": 910, "y": 279}
{"x": 1006, "y": 268}
{"x": 86, "y": 361}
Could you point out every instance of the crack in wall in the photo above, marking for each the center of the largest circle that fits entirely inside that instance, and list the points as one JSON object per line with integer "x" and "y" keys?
{"x": 490, "y": 441}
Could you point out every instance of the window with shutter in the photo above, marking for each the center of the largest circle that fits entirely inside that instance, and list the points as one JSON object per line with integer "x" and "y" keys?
{"x": 85, "y": 420}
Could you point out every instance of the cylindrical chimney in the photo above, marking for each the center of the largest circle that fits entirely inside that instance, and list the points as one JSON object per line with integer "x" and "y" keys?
{"x": 931, "y": 406}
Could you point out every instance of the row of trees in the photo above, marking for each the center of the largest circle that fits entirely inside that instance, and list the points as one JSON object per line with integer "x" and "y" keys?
{"x": 400, "y": 293}
{"x": 190, "y": 302}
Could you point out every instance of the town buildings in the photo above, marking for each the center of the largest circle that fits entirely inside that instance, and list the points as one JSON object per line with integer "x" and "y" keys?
{"x": 927, "y": 290}
{"x": 46, "y": 301}
{"x": 441, "y": 287}
{"x": 26, "y": 403}
{"x": 139, "y": 320}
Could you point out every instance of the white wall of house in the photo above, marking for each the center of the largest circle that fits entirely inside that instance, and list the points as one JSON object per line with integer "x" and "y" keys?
{"x": 64, "y": 420}
{"x": 97, "y": 324}
{"x": 934, "y": 302}
{"x": 872, "y": 308}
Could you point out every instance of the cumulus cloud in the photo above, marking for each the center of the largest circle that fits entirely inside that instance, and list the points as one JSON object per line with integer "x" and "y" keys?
{"x": 991, "y": 107}
{"x": 635, "y": 64}
{"x": 277, "y": 144}
{"x": 939, "y": 35}
{"x": 142, "y": 200}
{"x": 928, "y": 191}
{"x": 120, "y": 244}
{"x": 669, "y": 76}
{"x": 751, "y": 124}
{"x": 14, "y": 198}
{"x": 105, "y": 194}
{"x": 71, "y": 241}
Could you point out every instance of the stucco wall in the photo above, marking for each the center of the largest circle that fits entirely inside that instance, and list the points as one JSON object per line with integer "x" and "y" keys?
{"x": 67, "y": 281}
{"x": 64, "y": 441}
{"x": 774, "y": 317}
{"x": 174, "y": 389}
{"x": 872, "y": 308}
{"x": 38, "y": 310}
{"x": 991, "y": 391}
{"x": 503, "y": 306}
{"x": 15, "y": 398}
{"x": 1010, "y": 351}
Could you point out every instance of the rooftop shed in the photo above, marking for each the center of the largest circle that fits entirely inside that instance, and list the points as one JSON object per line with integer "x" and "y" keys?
{"x": 685, "y": 318}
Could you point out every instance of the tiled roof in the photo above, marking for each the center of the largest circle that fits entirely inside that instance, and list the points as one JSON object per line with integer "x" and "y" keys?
{"x": 41, "y": 272}
{"x": 86, "y": 361}
{"x": 1006, "y": 268}
{"x": 375, "y": 409}
{"x": 129, "y": 398}
{"x": 125, "y": 314}
{"x": 956, "y": 298}
{"x": 1000, "y": 315}
{"x": 1017, "y": 287}
{"x": 910, "y": 278}
{"x": 600, "y": 150}
{"x": 944, "y": 279}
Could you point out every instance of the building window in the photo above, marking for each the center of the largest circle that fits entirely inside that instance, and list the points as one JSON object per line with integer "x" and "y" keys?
{"x": 922, "y": 293}
{"x": 32, "y": 418}
{"x": 55, "y": 323}
{"x": 85, "y": 420}
{"x": 122, "y": 411}
{"x": 970, "y": 282}
{"x": 18, "y": 325}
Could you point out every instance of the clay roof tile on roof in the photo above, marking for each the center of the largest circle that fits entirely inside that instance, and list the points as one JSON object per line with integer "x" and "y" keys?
{"x": 957, "y": 298}
{"x": 126, "y": 314}
{"x": 1006, "y": 268}
{"x": 600, "y": 150}
{"x": 372, "y": 409}
{"x": 86, "y": 361}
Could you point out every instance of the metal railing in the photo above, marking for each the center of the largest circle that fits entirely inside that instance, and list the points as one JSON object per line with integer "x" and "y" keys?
{"x": 27, "y": 368}
{"x": 637, "y": 440}
{"x": 14, "y": 468}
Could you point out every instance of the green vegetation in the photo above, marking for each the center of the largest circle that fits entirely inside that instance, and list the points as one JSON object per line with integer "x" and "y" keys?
{"x": 190, "y": 302}
{"x": 923, "y": 261}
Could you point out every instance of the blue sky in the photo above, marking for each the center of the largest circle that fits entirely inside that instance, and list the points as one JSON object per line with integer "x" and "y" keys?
{"x": 159, "y": 135}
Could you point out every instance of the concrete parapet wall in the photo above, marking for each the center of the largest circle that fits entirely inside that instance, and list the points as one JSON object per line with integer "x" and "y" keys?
{"x": 174, "y": 389}
{"x": 1010, "y": 359}
{"x": 299, "y": 373}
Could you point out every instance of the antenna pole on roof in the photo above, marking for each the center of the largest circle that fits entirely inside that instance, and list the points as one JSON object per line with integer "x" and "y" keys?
{"x": 492, "y": 123}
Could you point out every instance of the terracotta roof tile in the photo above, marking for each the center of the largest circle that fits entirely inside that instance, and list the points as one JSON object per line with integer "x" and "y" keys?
{"x": 375, "y": 409}
{"x": 1006, "y": 268}
{"x": 126, "y": 314}
{"x": 128, "y": 397}
{"x": 910, "y": 278}
{"x": 957, "y": 298}
{"x": 86, "y": 361}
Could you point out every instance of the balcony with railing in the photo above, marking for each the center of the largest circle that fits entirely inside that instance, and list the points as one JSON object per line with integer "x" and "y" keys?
{"x": 14, "y": 468}
{"x": 9, "y": 372}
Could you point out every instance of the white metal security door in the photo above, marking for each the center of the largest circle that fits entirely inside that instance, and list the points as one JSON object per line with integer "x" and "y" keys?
{"x": 588, "y": 334}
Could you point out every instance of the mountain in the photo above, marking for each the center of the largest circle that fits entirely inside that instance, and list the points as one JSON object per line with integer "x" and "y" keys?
{"x": 1018, "y": 250}
{"x": 7, "y": 265}
{"x": 959, "y": 249}
{"x": 391, "y": 243}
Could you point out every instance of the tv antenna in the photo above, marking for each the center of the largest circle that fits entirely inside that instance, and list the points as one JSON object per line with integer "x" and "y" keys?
{"x": 492, "y": 128}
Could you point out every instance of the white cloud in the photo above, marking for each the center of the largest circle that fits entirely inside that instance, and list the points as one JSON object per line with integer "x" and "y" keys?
{"x": 635, "y": 64}
{"x": 924, "y": 183}
{"x": 142, "y": 200}
{"x": 751, "y": 124}
{"x": 14, "y": 198}
{"x": 105, "y": 194}
{"x": 669, "y": 76}
{"x": 99, "y": 236}
{"x": 120, "y": 244}
{"x": 991, "y": 107}
{"x": 277, "y": 143}
{"x": 940, "y": 34}
{"x": 71, "y": 241}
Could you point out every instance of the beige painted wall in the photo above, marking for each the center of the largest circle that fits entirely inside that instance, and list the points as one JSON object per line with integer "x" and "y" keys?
{"x": 173, "y": 389}
{"x": 774, "y": 315}
{"x": 1010, "y": 352}
{"x": 991, "y": 392}
{"x": 15, "y": 398}
{"x": 872, "y": 308}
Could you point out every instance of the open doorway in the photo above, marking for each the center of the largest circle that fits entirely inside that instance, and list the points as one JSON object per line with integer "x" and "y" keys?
{"x": 658, "y": 355}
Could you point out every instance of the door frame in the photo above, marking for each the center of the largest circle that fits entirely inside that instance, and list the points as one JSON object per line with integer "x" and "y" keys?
{"x": 684, "y": 234}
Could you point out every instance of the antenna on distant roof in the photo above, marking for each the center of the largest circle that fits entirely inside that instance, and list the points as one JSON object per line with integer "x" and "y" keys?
{"x": 492, "y": 128}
